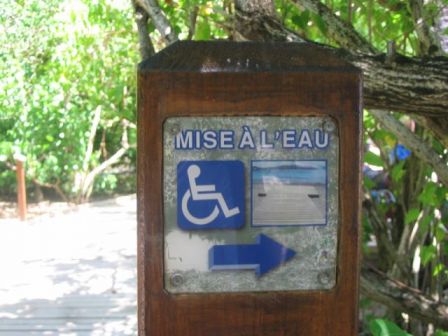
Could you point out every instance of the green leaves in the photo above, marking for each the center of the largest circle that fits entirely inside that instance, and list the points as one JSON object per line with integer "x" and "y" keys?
{"x": 433, "y": 194}
{"x": 373, "y": 159}
{"x": 320, "y": 23}
{"x": 411, "y": 216}
{"x": 398, "y": 171}
{"x": 301, "y": 20}
{"x": 59, "y": 62}
{"x": 427, "y": 253}
{"x": 203, "y": 31}
{"x": 381, "y": 327}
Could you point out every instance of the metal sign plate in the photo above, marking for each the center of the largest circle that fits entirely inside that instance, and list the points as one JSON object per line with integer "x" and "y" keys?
{"x": 250, "y": 203}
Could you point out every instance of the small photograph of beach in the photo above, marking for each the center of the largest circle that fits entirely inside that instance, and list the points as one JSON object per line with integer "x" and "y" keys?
{"x": 289, "y": 193}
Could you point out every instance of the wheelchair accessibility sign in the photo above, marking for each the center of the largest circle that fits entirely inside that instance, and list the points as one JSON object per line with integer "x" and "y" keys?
{"x": 210, "y": 195}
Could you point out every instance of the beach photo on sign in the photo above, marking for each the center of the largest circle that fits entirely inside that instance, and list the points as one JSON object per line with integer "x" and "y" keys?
{"x": 289, "y": 192}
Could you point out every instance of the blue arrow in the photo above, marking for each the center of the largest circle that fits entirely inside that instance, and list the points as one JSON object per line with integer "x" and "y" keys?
{"x": 263, "y": 256}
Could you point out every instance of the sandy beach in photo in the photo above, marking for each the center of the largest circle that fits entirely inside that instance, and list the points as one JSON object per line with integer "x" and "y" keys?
{"x": 288, "y": 204}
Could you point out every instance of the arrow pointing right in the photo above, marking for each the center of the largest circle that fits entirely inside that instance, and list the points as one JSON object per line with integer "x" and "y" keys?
{"x": 263, "y": 256}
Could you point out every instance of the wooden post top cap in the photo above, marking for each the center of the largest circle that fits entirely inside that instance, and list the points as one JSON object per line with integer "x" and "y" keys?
{"x": 246, "y": 57}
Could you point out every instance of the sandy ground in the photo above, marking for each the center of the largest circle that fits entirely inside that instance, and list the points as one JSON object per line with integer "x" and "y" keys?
{"x": 8, "y": 210}
{"x": 288, "y": 204}
{"x": 71, "y": 271}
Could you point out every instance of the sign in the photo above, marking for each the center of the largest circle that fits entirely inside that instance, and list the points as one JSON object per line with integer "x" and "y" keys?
{"x": 210, "y": 195}
{"x": 264, "y": 255}
{"x": 248, "y": 185}
{"x": 250, "y": 203}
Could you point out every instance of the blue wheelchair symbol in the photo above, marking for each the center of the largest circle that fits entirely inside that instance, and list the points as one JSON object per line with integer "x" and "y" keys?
{"x": 210, "y": 195}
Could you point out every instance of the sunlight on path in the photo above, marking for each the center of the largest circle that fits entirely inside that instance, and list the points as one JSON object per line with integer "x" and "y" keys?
{"x": 70, "y": 274}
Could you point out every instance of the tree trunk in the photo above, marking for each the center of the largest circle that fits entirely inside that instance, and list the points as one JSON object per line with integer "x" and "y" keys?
{"x": 409, "y": 85}
{"x": 379, "y": 287}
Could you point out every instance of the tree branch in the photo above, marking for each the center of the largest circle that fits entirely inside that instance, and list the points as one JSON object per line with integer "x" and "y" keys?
{"x": 429, "y": 41}
{"x": 409, "y": 85}
{"x": 386, "y": 250}
{"x": 392, "y": 6}
{"x": 193, "y": 18}
{"x": 248, "y": 6}
{"x": 339, "y": 30}
{"x": 54, "y": 186}
{"x": 159, "y": 19}
{"x": 141, "y": 19}
{"x": 89, "y": 179}
{"x": 438, "y": 127}
{"x": 379, "y": 287}
{"x": 256, "y": 20}
{"x": 391, "y": 87}
{"x": 410, "y": 140}
{"x": 81, "y": 175}
{"x": 92, "y": 133}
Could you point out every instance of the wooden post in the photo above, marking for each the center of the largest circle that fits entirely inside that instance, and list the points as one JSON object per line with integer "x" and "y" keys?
{"x": 223, "y": 249}
{"x": 21, "y": 187}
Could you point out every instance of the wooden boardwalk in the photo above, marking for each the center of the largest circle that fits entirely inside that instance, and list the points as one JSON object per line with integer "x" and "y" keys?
{"x": 283, "y": 204}
{"x": 71, "y": 274}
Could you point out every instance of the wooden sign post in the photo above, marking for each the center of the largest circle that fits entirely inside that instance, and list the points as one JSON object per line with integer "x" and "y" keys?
{"x": 248, "y": 191}
{"x": 21, "y": 186}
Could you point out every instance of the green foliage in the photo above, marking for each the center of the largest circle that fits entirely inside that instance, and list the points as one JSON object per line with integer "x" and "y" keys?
{"x": 210, "y": 19}
{"x": 64, "y": 61}
{"x": 427, "y": 253}
{"x": 411, "y": 216}
{"x": 398, "y": 172}
{"x": 106, "y": 183}
{"x": 61, "y": 62}
{"x": 373, "y": 159}
{"x": 378, "y": 22}
{"x": 381, "y": 327}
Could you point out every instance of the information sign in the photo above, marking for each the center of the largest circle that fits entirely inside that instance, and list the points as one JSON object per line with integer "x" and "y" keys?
{"x": 250, "y": 203}
{"x": 248, "y": 179}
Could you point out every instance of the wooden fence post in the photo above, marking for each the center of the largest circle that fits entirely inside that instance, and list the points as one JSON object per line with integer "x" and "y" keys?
{"x": 21, "y": 188}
